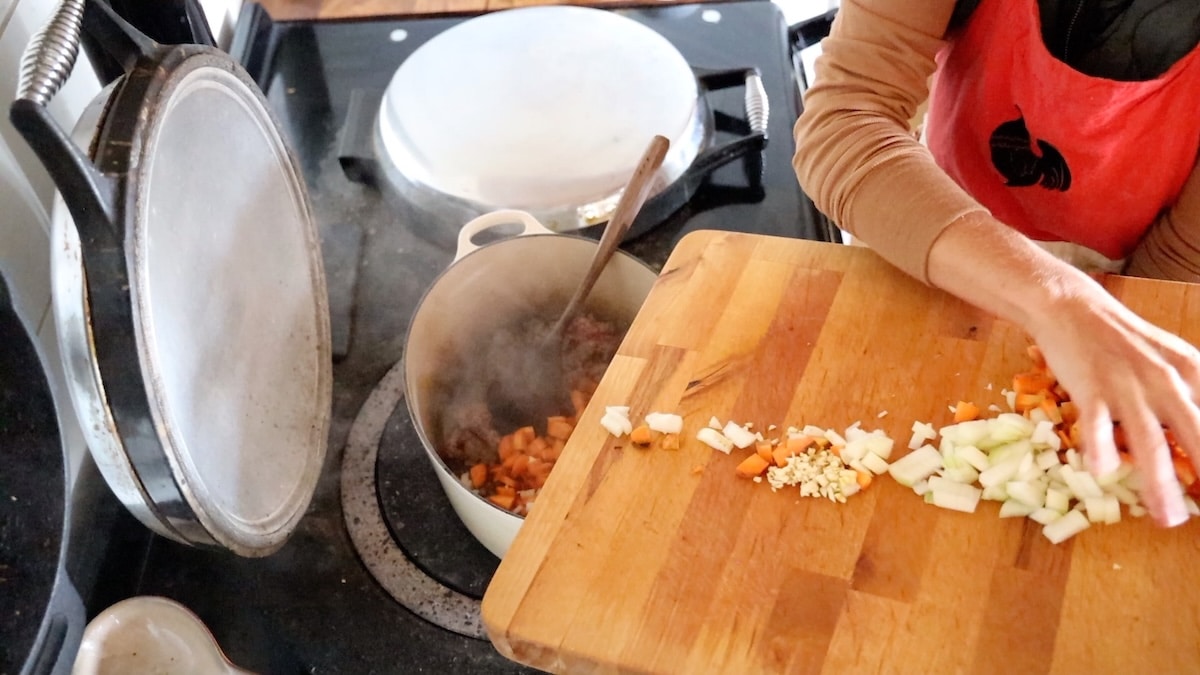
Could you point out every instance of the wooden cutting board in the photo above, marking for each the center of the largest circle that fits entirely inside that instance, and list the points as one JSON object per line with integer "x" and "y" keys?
{"x": 631, "y": 562}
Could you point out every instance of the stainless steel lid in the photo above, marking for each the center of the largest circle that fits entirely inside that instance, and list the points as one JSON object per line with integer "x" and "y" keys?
{"x": 544, "y": 109}
{"x": 229, "y": 306}
{"x": 195, "y": 325}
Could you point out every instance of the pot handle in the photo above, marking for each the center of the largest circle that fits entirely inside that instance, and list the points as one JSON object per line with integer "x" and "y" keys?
{"x": 529, "y": 225}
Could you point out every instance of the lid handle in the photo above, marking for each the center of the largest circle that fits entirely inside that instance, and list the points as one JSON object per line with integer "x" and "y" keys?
{"x": 51, "y": 54}
{"x": 45, "y": 66}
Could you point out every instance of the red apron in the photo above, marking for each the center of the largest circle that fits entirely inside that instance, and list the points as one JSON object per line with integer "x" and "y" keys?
{"x": 1054, "y": 153}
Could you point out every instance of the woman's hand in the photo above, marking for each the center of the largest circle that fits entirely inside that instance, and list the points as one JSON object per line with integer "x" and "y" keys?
{"x": 1115, "y": 365}
{"x": 1118, "y": 367}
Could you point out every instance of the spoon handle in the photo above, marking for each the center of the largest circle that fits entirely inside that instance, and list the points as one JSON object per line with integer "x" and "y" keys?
{"x": 632, "y": 198}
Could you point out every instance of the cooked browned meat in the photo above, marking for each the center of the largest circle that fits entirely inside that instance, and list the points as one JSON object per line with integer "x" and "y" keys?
{"x": 468, "y": 427}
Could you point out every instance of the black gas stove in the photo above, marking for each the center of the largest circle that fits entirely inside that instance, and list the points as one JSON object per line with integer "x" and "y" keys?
{"x": 381, "y": 576}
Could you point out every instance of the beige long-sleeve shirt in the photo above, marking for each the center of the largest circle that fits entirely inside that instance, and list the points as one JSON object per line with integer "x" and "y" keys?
{"x": 862, "y": 165}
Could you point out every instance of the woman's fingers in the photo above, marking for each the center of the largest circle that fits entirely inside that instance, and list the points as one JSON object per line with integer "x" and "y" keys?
{"x": 1147, "y": 443}
{"x": 1099, "y": 448}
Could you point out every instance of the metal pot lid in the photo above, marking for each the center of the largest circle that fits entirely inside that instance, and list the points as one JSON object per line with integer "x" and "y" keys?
{"x": 538, "y": 108}
{"x": 203, "y": 302}
{"x": 228, "y": 303}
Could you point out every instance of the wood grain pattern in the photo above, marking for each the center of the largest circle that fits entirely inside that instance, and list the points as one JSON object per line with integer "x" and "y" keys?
{"x": 633, "y": 562}
{"x": 305, "y": 10}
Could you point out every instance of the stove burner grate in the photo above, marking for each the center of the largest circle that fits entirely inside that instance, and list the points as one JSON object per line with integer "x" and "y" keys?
{"x": 383, "y": 557}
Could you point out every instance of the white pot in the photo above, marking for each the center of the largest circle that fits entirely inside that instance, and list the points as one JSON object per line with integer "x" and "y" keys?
{"x": 480, "y": 293}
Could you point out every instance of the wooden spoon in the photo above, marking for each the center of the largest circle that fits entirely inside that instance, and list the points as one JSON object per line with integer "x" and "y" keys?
{"x": 632, "y": 199}
{"x": 540, "y": 366}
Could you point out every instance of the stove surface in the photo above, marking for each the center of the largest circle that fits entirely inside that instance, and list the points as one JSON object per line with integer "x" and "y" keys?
{"x": 314, "y": 607}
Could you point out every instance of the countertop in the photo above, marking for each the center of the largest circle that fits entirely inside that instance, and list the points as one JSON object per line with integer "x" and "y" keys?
{"x": 795, "y": 11}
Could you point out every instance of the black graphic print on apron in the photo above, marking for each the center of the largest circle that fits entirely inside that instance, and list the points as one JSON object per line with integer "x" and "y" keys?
{"x": 1014, "y": 158}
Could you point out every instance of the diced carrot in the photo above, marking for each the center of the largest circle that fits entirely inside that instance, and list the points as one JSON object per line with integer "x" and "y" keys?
{"x": 669, "y": 442}
{"x": 781, "y": 455}
{"x": 506, "y": 490}
{"x": 579, "y": 401}
{"x": 641, "y": 435}
{"x": 752, "y": 466}
{"x": 1050, "y": 407}
{"x": 479, "y": 474}
{"x": 539, "y": 472}
{"x": 558, "y": 427}
{"x": 503, "y": 501}
{"x": 1026, "y": 402}
{"x": 798, "y": 444}
{"x": 1184, "y": 470}
{"x": 1068, "y": 411}
{"x": 506, "y": 447}
{"x": 1032, "y": 382}
{"x": 520, "y": 465}
{"x": 1173, "y": 444}
{"x": 555, "y": 450}
{"x": 1119, "y": 437}
{"x": 520, "y": 440}
{"x": 836, "y": 450}
{"x": 1067, "y": 443}
{"x": 764, "y": 450}
{"x": 965, "y": 411}
{"x": 863, "y": 478}
{"x": 537, "y": 447}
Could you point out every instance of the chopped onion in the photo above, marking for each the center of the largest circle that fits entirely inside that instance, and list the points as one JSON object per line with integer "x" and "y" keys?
{"x": 1066, "y": 527}
{"x": 1046, "y": 516}
{"x": 962, "y": 473}
{"x": 1027, "y": 493}
{"x": 616, "y": 420}
{"x": 951, "y": 495}
{"x": 665, "y": 423}
{"x": 973, "y": 456}
{"x": 920, "y": 463}
{"x": 874, "y": 463}
{"x": 1000, "y": 473}
{"x": 835, "y": 438}
{"x": 921, "y": 432}
{"x": 1081, "y": 483}
{"x": 1059, "y": 500}
{"x": 1015, "y": 509}
{"x": 714, "y": 439}
{"x": 995, "y": 493}
{"x": 738, "y": 435}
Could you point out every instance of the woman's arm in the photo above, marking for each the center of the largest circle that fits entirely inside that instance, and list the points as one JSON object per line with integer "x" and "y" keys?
{"x": 855, "y": 153}
{"x": 858, "y": 161}
{"x": 1171, "y": 247}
